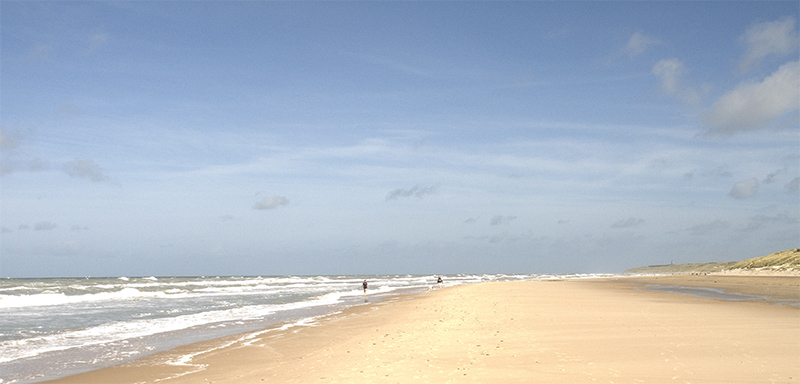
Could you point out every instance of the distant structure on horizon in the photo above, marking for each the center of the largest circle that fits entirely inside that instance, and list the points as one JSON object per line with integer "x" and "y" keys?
{"x": 671, "y": 262}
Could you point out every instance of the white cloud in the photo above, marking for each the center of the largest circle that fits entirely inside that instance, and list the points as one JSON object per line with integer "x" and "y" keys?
{"x": 638, "y": 43}
{"x": 753, "y": 106}
{"x": 772, "y": 38}
{"x": 744, "y": 189}
{"x": 627, "y": 223}
{"x": 669, "y": 71}
{"x": 271, "y": 203}
{"x": 85, "y": 169}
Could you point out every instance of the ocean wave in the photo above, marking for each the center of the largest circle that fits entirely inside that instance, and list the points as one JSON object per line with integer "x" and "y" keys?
{"x": 66, "y": 324}
{"x": 51, "y": 298}
{"x": 121, "y": 330}
{"x": 134, "y": 289}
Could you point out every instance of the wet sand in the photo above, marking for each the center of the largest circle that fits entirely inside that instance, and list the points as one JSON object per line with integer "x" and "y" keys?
{"x": 561, "y": 331}
{"x": 770, "y": 287}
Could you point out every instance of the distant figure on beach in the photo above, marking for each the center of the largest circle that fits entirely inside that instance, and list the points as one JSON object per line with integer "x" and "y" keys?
{"x": 364, "y": 284}
{"x": 439, "y": 281}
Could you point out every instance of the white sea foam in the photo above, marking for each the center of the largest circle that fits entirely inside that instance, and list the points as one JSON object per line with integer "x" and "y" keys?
{"x": 51, "y": 298}
{"x": 121, "y": 330}
{"x": 56, "y": 325}
{"x": 133, "y": 292}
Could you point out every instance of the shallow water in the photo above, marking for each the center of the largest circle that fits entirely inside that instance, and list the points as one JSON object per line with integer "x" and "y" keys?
{"x": 719, "y": 294}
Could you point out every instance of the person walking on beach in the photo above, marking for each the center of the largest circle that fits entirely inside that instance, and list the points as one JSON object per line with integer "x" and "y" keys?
{"x": 364, "y": 284}
{"x": 439, "y": 281}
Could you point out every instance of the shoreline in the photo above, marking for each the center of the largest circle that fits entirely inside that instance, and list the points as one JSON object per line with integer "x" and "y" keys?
{"x": 131, "y": 318}
{"x": 529, "y": 331}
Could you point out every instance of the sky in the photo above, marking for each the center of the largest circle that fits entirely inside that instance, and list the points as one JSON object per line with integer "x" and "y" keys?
{"x": 270, "y": 138}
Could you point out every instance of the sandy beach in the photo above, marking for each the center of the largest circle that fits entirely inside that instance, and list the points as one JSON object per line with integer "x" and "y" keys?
{"x": 560, "y": 331}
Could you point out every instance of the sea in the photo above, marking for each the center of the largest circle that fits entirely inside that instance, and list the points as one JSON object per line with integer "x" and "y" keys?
{"x": 51, "y": 328}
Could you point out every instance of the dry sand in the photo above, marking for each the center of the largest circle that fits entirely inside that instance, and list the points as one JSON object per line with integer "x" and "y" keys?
{"x": 565, "y": 331}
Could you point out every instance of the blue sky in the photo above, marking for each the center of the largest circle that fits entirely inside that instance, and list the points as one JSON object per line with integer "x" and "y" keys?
{"x": 259, "y": 138}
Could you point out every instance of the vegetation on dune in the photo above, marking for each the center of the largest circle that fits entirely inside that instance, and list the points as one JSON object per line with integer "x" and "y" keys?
{"x": 788, "y": 260}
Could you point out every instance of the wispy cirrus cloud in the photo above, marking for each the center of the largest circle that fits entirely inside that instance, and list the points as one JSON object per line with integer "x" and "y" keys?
{"x": 639, "y": 42}
{"x": 766, "y": 39}
{"x": 670, "y": 72}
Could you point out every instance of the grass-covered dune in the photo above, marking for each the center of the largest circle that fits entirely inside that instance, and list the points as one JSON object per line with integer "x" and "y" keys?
{"x": 788, "y": 260}
{"x": 783, "y": 261}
